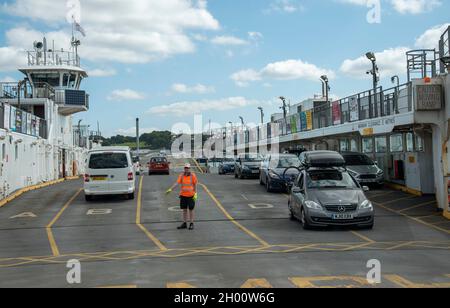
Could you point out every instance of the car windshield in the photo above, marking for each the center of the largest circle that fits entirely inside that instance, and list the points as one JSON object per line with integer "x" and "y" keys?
{"x": 330, "y": 179}
{"x": 108, "y": 161}
{"x": 288, "y": 161}
{"x": 251, "y": 159}
{"x": 358, "y": 160}
{"x": 159, "y": 160}
{"x": 228, "y": 161}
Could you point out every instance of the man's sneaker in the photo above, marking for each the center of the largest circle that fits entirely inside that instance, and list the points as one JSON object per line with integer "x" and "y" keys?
{"x": 183, "y": 226}
{"x": 191, "y": 227}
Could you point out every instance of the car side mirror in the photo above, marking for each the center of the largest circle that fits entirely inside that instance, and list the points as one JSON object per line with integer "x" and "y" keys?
{"x": 366, "y": 188}
{"x": 297, "y": 190}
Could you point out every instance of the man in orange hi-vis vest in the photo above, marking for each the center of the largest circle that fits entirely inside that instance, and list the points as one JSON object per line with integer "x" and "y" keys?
{"x": 188, "y": 196}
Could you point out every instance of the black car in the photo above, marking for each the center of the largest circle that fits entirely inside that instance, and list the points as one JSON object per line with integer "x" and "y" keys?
{"x": 227, "y": 166}
{"x": 273, "y": 169}
{"x": 247, "y": 166}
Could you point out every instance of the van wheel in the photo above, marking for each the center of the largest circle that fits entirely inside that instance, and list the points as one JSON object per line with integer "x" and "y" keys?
{"x": 88, "y": 198}
{"x": 131, "y": 196}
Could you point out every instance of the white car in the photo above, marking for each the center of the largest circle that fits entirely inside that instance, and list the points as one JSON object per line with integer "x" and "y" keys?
{"x": 109, "y": 171}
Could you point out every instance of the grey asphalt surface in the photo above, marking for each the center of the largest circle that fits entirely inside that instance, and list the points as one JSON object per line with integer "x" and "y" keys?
{"x": 242, "y": 233}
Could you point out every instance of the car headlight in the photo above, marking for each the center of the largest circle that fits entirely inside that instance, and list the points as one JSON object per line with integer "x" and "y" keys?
{"x": 273, "y": 175}
{"x": 313, "y": 205}
{"x": 366, "y": 205}
{"x": 380, "y": 172}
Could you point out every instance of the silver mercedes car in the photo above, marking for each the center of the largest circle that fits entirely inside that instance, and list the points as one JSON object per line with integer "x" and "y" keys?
{"x": 325, "y": 194}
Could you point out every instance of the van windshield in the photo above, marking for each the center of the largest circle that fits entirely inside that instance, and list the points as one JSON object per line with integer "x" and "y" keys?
{"x": 108, "y": 161}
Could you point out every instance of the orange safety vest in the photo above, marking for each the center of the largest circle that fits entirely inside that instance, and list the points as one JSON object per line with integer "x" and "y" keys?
{"x": 187, "y": 185}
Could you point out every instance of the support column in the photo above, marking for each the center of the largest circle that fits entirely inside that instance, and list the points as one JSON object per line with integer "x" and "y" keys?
{"x": 440, "y": 178}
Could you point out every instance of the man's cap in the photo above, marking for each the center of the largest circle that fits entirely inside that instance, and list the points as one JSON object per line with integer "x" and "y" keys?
{"x": 187, "y": 166}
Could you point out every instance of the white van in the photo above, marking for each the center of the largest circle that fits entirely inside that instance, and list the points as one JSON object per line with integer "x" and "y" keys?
{"x": 109, "y": 171}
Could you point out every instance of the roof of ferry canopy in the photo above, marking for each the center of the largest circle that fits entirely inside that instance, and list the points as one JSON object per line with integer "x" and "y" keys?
{"x": 47, "y": 68}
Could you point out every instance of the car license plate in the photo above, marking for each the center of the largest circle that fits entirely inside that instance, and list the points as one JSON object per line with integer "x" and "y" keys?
{"x": 255, "y": 171}
{"x": 99, "y": 178}
{"x": 342, "y": 216}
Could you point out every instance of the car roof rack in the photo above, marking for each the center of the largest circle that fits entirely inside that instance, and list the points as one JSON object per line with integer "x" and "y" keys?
{"x": 324, "y": 159}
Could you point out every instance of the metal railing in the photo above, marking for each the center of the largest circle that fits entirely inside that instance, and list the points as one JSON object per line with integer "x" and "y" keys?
{"x": 355, "y": 108}
{"x": 22, "y": 122}
{"x": 53, "y": 58}
{"x": 10, "y": 90}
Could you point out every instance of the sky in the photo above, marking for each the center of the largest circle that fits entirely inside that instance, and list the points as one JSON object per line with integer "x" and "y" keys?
{"x": 165, "y": 61}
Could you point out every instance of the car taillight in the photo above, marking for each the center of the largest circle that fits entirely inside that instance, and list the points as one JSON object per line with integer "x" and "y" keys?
{"x": 130, "y": 176}
{"x": 86, "y": 178}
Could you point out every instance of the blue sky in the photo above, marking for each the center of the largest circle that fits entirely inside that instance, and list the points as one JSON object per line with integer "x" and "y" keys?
{"x": 187, "y": 52}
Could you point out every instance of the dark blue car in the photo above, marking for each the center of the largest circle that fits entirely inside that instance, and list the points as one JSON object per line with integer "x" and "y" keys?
{"x": 227, "y": 166}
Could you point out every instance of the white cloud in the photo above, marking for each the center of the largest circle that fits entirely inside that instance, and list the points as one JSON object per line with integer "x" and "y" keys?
{"x": 8, "y": 79}
{"x": 197, "y": 89}
{"x": 284, "y": 6}
{"x": 415, "y": 6}
{"x": 133, "y": 31}
{"x": 253, "y": 35}
{"x": 403, "y": 6}
{"x": 130, "y": 132}
{"x": 188, "y": 108}
{"x": 228, "y": 41}
{"x": 11, "y": 58}
{"x": 282, "y": 70}
{"x": 390, "y": 62}
{"x": 244, "y": 77}
{"x": 430, "y": 38}
{"x": 102, "y": 72}
{"x": 125, "y": 95}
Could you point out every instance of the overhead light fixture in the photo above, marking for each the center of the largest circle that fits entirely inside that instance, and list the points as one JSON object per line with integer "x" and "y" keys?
{"x": 371, "y": 56}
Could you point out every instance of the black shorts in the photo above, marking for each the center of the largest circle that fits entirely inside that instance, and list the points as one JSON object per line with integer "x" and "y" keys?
{"x": 187, "y": 203}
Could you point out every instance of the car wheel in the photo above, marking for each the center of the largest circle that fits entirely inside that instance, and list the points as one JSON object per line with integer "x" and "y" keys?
{"x": 304, "y": 221}
{"x": 88, "y": 198}
{"x": 131, "y": 196}
{"x": 235, "y": 175}
{"x": 268, "y": 188}
{"x": 291, "y": 212}
{"x": 241, "y": 176}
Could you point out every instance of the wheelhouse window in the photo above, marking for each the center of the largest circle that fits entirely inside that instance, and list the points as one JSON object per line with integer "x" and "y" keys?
{"x": 397, "y": 143}
{"x": 344, "y": 146}
{"x": 420, "y": 147}
{"x": 409, "y": 142}
{"x": 367, "y": 145}
{"x": 380, "y": 144}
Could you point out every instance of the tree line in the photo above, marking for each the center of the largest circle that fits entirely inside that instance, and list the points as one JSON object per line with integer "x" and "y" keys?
{"x": 154, "y": 141}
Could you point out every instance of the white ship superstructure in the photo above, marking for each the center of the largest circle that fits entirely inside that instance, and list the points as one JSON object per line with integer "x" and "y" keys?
{"x": 37, "y": 140}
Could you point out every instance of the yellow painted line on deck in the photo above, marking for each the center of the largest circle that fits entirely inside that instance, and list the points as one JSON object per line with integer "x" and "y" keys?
{"x": 230, "y": 218}
{"x": 365, "y": 238}
{"x": 138, "y": 219}
{"x": 179, "y": 285}
{"x": 310, "y": 282}
{"x": 51, "y": 238}
{"x": 404, "y": 283}
{"x": 257, "y": 283}
{"x": 412, "y": 218}
{"x": 417, "y": 206}
{"x": 198, "y": 166}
